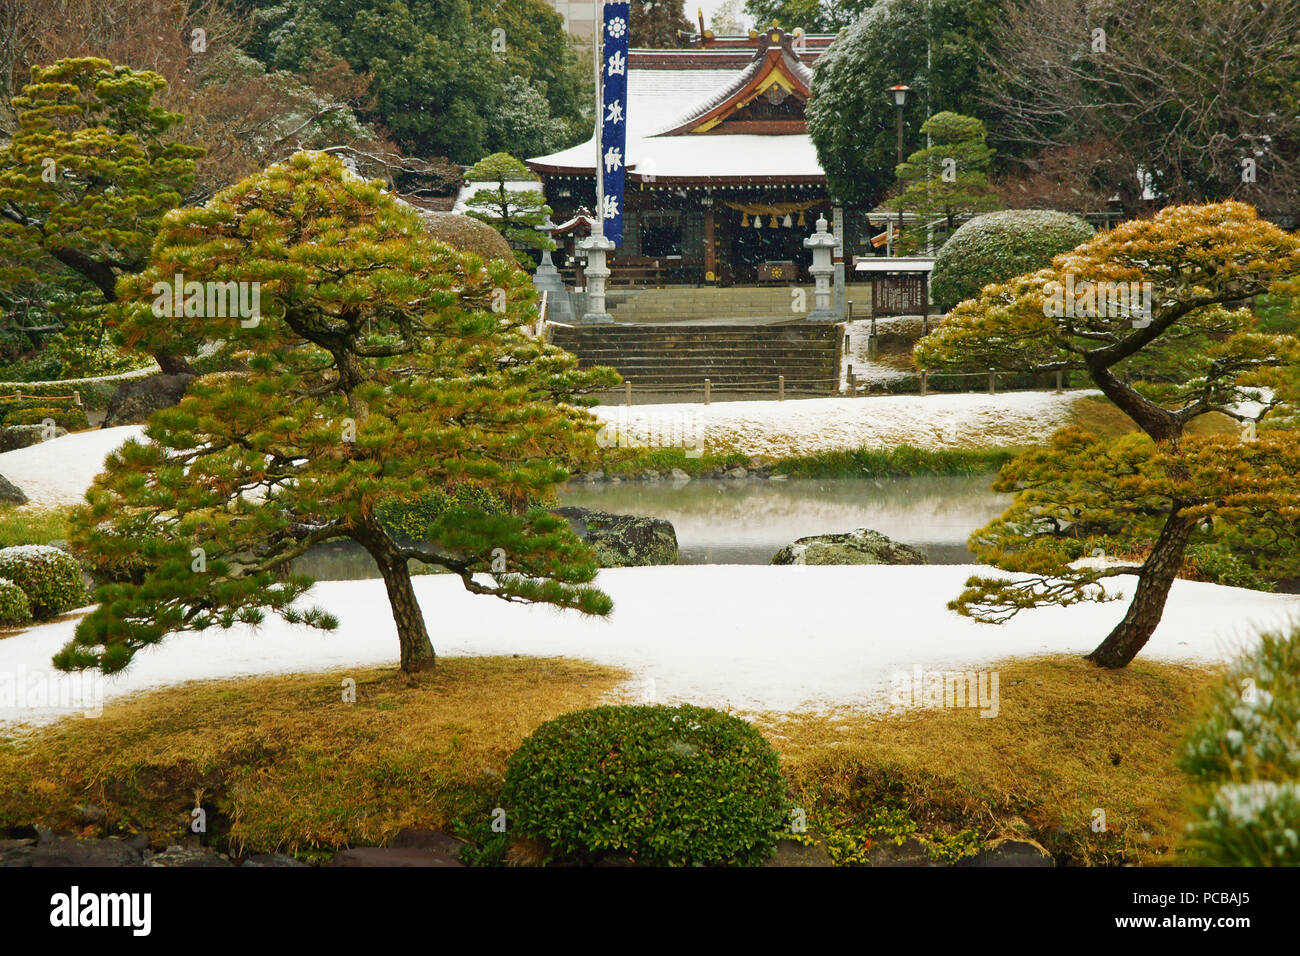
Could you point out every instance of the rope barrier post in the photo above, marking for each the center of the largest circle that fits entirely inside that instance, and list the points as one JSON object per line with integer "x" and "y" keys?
{"x": 706, "y": 391}
{"x": 853, "y": 381}
{"x": 780, "y": 388}
{"x": 925, "y": 382}
{"x": 76, "y": 399}
{"x": 627, "y": 391}
{"x": 1059, "y": 383}
{"x": 993, "y": 382}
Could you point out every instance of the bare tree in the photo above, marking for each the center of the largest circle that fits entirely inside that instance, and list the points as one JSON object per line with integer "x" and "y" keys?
{"x": 1194, "y": 99}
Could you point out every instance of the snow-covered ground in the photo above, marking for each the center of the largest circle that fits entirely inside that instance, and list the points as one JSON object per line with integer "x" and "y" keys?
{"x": 57, "y": 472}
{"x": 805, "y": 426}
{"x": 749, "y": 638}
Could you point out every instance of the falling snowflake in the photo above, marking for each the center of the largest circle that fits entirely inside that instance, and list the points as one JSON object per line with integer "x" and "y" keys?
{"x": 617, "y": 27}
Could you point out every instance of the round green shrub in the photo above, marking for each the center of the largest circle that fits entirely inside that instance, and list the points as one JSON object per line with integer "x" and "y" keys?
{"x": 15, "y": 609}
{"x": 1244, "y": 760}
{"x": 1249, "y": 824}
{"x": 70, "y": 417}
{"x": 665, "y": 786}
{"x": 999, "y": 246}
{"x": 50, "y": 578}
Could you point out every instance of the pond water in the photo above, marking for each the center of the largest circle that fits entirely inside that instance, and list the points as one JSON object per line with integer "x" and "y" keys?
{"x": 747, "y": 521}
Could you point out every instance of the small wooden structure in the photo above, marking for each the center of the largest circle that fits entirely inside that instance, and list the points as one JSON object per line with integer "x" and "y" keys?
{"x": 900, "y": 285}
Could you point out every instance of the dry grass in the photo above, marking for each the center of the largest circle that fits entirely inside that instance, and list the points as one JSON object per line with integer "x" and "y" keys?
{"x": 1069, "y": 738}
{"x": 1101, "y": 417}
{"x": 282, "y": 762}
{"x": 286, "y": 763}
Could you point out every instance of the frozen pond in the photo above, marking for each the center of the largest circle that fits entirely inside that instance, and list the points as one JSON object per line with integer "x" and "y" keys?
{"x": 747, "y": 521}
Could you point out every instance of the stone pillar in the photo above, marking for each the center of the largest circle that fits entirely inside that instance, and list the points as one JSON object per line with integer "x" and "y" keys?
{"x": 596, "y": 246}
{"x": 822, "y": 243}
{"x": 837, "y": 229}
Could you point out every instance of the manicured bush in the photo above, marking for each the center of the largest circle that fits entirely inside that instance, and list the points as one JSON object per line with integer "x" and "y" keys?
{"x": 1219, "y": 565}
{"x": 15, "y": 609}
{"x": 1000, "y": 246}
{"x": 50, "y": 577}
{"x": 1244, "y": 760}
{"x": 662, "y": 785}
{"x": 70, "y": 417}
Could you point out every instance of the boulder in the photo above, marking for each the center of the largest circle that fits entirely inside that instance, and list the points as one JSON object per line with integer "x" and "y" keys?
{"x": 11, "y": 493}
{"x": 623, "y": 541}
{"x": 791, "y": 853}
{"x": 272, "y": 859}
{"x": 1011, "y": 852}
{"x": 69, "y": 851}
{"x": 138, "y": 398}
{"x": 678, "y": 474}
{"x": 188, "y": 857}
{"x": 393, "y": 856}
{"x": 17, "y": 852}
{"x": 13, "y": 437}
{"x": 911, "y": 852}
{"x": 862, "y": 546}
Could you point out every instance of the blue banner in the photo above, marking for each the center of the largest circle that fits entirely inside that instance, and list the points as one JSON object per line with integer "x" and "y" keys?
{"x": 616, "y": 26}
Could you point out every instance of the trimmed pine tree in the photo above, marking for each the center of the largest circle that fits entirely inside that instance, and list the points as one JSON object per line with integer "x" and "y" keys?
{"x": 1146, "y": 496}
{"x": 381, "y": 369}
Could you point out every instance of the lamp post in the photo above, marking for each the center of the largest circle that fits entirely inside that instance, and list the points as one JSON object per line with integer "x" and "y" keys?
{"x": 900, "y": 100}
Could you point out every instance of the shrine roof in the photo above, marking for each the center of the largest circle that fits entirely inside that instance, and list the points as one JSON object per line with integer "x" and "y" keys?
{"x": 673, "y": 96}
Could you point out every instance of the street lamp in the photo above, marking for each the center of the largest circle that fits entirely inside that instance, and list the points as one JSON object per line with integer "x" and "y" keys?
{"x": 900, "y": 100}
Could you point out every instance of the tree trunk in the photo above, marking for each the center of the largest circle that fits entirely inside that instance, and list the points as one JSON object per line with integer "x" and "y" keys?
{"x": 412, "y": 635}
{"x": 1148, "y": 604}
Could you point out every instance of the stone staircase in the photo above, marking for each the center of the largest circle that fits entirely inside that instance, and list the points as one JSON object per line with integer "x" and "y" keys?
{"x": 732, "y": 357}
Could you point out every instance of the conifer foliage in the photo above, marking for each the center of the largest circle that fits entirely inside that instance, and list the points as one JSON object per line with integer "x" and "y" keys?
{"x": 1141, "y": 311}
{"x": 384, "y": 367}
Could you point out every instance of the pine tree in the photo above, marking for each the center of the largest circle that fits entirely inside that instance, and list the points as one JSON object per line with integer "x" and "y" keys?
{"x": 515, "y": 213}
{"x": 1166, "y": 366}
{"x": 89, "y": 174}
{"x": 383, "y": 370}
{"x": 947, "y": 180}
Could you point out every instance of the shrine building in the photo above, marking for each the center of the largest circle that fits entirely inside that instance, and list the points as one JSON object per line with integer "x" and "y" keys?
{"x": 723, "y": 182}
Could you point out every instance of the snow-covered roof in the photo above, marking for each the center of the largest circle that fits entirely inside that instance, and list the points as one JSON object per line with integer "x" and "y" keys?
{"x": 663, "y": 98}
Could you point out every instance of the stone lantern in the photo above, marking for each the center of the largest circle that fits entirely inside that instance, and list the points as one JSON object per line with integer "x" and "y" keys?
{"x": 822, "y": 244}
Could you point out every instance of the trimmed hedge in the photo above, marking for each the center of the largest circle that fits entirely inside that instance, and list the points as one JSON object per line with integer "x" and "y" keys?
{"x": 665, "y": 786}
{"x": 50, "y": 577}
{"x": 15, "y": 609}
{"x": 95, "y": 392}
{"x": 1245, "y": 760}
{"x": 70, "y": 417}
{"x": 1000, "y": 246}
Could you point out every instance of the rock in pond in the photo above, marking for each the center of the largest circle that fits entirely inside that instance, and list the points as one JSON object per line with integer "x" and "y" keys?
{"x": 623, "y": 541}
{"x": 862, "y": 546}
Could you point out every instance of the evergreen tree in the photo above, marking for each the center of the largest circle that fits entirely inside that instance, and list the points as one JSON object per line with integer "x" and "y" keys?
{"x": 851, "y": 115}
{"x": 383, "y": 370}
{"x": 515, "y": 213}
{"x": 947, "y": 180}
{"x": 87, "y": 177}
{"x": 1166, "y": 357}
{"x": 655, "y": 24}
